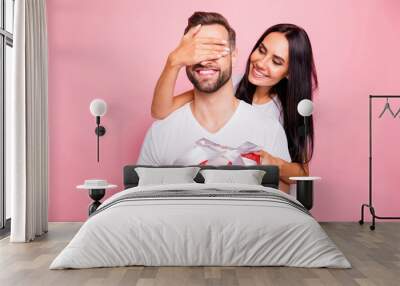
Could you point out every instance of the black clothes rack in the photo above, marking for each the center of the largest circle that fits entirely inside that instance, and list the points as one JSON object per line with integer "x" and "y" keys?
{"x": 370, "y": 204}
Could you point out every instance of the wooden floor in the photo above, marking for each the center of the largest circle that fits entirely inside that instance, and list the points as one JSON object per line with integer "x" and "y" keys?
{"x": 374, "y": 255}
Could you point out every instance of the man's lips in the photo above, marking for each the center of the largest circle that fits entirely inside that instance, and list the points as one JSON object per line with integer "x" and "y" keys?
{"x": 206, "y": 72}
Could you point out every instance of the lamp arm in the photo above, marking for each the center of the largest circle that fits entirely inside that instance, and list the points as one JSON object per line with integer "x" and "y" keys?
{"x": 305, "y": 141}
{"x": 98, "y": 136}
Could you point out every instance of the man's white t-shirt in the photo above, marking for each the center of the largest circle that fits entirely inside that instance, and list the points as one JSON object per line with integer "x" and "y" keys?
{"x": 168, "y": 139}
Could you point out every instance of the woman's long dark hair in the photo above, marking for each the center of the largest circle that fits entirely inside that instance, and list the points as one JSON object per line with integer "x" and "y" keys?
{"x": 301, "y": 81}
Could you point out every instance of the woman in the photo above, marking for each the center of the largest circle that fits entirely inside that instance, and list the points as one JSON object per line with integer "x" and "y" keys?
{"x": 280, "y": 72}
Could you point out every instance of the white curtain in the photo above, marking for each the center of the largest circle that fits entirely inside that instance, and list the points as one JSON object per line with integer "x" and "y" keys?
{"x": 27, "y": 124}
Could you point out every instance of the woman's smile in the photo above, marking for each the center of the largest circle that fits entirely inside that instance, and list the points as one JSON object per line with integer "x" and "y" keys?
{"x": 257, "y": 73}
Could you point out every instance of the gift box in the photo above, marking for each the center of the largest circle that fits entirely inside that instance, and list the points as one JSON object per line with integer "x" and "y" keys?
{"x": 207, "y": 152}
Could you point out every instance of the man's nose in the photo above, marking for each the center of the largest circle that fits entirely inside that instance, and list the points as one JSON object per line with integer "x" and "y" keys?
{"x": 208, "y": 63}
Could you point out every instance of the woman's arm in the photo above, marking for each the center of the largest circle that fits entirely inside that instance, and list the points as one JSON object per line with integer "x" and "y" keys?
{"x": 286, "y": 169}
{"x": 163, "y": 100}
{"x": 284, "y": 187}
{"x": 191, "y": 50}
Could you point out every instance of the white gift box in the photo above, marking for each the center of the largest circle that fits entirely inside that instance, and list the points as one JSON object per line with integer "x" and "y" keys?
{"x": 207, "y": 152}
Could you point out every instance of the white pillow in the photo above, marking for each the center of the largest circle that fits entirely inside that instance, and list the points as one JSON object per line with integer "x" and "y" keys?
{"x": 163, "y": 176}
{"x": 248, "y": 177}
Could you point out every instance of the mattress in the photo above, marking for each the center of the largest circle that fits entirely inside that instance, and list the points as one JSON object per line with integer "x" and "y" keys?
{"x": 201, "y": 225}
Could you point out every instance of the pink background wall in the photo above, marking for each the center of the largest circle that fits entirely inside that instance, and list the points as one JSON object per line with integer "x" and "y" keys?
{"x": 115, "y": 50}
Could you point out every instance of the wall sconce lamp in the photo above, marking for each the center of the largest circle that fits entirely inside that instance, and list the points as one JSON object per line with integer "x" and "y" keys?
{"x": 305, "y": 108}
{"x": 304, "y": 185}
{"x": 98, "y": 108}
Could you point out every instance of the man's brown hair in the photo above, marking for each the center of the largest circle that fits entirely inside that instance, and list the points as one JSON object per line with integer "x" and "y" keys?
{"x": 211, "y": 18}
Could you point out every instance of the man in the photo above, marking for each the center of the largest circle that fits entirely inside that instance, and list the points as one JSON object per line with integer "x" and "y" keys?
{"x": 215, "y": 113}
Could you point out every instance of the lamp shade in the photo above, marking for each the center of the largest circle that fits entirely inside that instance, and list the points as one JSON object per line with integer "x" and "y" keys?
{"x": 305, "y": 107}
{"x": 98, "y": 107}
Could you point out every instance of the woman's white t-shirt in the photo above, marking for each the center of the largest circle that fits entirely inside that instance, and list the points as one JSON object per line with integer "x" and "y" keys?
{"x": 272, "y": 108}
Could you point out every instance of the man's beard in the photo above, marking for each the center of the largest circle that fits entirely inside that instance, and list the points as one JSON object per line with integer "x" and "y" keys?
{"x": 208, "y": 86}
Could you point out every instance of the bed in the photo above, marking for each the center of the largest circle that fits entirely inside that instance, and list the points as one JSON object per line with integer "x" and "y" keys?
{"x": 198, "y": 224}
